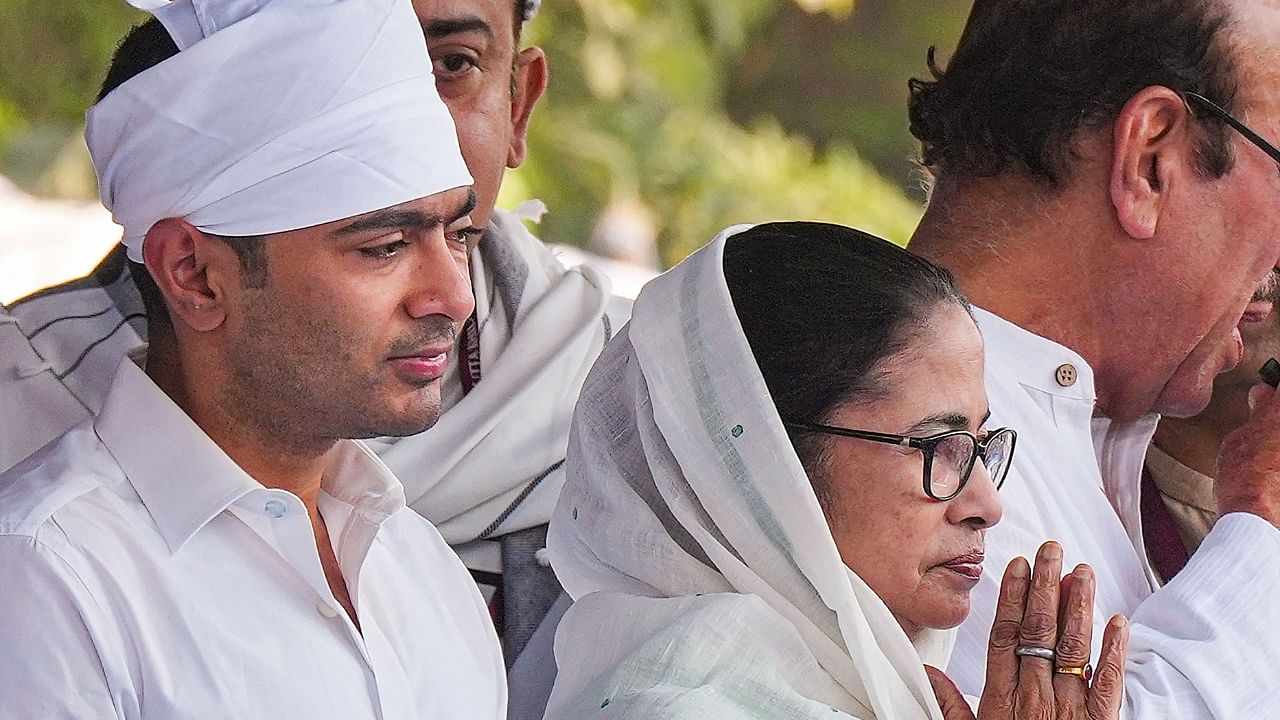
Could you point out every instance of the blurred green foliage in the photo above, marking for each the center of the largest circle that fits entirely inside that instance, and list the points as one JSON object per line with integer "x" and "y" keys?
{"x": 678, "y": 116}
{"x": 52, "y": 59}
{"x": 636, "y": 117}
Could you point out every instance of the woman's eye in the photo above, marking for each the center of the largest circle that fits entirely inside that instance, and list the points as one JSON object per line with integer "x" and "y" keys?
{"x": 385, "y": 251}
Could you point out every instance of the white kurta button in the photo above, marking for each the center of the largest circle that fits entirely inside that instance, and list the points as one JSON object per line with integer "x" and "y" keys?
{"x": 1066, "y": 375}
{"x": 275, "y": 509}
{"x": 326, "y": 610}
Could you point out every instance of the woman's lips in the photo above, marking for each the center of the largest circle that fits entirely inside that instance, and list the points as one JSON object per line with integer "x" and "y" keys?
{"x": 967, "y": 566}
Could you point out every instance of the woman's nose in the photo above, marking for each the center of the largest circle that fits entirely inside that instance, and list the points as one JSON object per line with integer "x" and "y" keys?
{"x": 979, "y": 502}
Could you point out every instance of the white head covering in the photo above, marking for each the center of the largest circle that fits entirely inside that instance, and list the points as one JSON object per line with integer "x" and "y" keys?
{"x": 276, "y": 115}
{"x": 707, "y": 581}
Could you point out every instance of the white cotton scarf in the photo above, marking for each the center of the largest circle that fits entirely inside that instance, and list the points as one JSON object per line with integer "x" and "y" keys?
{"x": 275, "y": 115}
{"x": 706, "y": 581}
{"x": 493, "y": 463}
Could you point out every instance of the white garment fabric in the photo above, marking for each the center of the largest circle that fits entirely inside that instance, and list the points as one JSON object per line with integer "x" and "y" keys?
{"x": 275, "y": 115}
{"x": 1204, "y": 646}
{"x": 705, "y": 580}
{"x": 145, "y": 575}
{"x": 59, "y": 350}
{"x": 492, "y": 464}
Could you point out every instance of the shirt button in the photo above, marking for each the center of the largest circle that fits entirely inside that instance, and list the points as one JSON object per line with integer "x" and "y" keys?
{"x": 326, "y": 610}
{"x": 1066, "y": 375}
{"x": 274, "y": 508}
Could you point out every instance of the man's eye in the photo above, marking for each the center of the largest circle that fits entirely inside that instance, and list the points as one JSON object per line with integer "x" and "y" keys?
{"x": 452, "y": 65}
{"x": 385, "y": 251}
{"x": 466, "y": 236}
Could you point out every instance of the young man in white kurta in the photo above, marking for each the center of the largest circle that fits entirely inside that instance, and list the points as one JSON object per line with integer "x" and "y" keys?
{"x": 146, "y": 575}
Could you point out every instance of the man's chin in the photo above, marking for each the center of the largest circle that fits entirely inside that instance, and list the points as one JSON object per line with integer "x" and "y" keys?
{"x": 1181, "y": 402}
{"x": 410, "y": 416}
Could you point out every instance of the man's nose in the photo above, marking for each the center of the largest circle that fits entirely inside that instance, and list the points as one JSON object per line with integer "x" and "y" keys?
{"x": 441, "y": 283}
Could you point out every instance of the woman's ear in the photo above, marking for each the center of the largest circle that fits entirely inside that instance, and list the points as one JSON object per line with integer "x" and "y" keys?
{"x": 177, "y": 256}
{"x": 1153, "y": 147}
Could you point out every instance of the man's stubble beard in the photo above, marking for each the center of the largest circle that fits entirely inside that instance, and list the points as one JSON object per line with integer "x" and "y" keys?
{"x": 287, "y": 389}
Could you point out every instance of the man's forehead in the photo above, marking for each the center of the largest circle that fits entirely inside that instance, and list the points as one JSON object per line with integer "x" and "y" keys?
{"x": 497, "y": 15}
{"x": 440, "y": 208}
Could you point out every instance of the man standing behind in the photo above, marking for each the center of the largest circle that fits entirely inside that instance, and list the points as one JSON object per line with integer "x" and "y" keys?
{"x": 211, "y": 544}
{"x": 1178, "y": 508}
{"x": 1095, "y": 196}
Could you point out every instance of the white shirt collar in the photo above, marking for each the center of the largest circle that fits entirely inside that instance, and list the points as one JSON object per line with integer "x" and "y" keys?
{"x": 185, "y": 480}
{"x": 1034, "y": 360}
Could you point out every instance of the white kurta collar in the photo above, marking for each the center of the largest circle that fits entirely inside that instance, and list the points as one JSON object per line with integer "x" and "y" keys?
{"x": 185, "y": 480}
{"x": 1037, "y": 361}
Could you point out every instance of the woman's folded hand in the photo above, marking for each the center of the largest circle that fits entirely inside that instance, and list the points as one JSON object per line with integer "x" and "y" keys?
{"x": 1038, "y": 657}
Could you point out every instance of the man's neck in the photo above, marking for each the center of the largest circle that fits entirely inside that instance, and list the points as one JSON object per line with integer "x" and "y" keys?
{"x": 268, "y": 454}
{"x": 1191, "y": 443}
{"x": 1196, "y": 441}
{"x": 992, "y": 237}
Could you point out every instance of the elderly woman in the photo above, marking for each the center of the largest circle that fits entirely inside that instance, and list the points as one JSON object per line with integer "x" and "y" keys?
{"x": 779, "y": 482}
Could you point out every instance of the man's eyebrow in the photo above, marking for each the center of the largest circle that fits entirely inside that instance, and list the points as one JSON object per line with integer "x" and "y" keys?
{"x": 392, "y": 218}
{"x": 443, "y": 28}
{"x": 467, "y": 206}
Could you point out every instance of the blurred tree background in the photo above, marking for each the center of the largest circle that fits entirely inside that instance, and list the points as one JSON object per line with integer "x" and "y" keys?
{"x": 665, "y": 121}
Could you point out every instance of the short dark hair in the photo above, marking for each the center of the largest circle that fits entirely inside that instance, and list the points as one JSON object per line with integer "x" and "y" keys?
{"x": 522, "y": 11}
{"x": 822, "y": 307}
{"x": 145, "y": 46}
{"x": 1028, "y": 75}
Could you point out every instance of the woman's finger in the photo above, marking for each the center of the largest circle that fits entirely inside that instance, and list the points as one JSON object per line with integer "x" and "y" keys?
{"x": 1107, "y": 692}
{"x": 1002, "y": 664}
{"x": 1074, "y": 644}
{"x": 1039, "y": 632}
{"x": 950, "y": 699}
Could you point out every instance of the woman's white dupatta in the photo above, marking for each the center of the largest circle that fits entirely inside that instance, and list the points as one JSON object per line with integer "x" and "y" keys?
{"x": 706, "y": 581}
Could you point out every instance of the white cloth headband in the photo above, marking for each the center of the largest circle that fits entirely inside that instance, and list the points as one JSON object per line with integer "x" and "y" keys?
{"x": 276, "y": 115}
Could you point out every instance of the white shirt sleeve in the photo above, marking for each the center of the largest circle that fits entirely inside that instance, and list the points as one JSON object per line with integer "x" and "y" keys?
{"x": 1207, "y": 645}
{"x": 49, "y": 663}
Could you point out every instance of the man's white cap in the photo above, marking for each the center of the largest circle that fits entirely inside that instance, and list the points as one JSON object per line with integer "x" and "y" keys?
{"x": 275, "y": 115}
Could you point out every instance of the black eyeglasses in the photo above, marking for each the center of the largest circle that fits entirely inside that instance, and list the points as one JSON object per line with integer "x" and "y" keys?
{"x": 958, "y": 451}
{"x": 1231, "y": 120}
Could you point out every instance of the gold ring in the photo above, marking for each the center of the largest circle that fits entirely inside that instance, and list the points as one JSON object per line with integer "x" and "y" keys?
{"x": 1084, "y": 672}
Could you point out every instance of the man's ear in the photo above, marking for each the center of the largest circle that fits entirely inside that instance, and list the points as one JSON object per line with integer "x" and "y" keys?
{"x": 529, "y": 82}
{"x": 178, "y": 256}
{"x": 1153, "y": 147}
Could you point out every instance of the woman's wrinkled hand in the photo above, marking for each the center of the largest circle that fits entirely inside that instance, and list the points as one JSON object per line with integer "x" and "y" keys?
{"x": 1041, "y": 609}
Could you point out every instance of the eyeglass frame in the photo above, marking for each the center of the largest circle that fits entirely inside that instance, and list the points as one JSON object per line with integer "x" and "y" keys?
{"x": 1235, "y": 124}
{"x": 927, "y": 445}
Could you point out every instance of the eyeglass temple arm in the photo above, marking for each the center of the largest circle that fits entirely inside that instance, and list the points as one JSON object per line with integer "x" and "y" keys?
{"x": 900, "y": 440}
{"x": 1238, "y": 126}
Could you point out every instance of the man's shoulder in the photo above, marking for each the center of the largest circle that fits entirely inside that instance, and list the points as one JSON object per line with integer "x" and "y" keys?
{"x": 35, "y": 491}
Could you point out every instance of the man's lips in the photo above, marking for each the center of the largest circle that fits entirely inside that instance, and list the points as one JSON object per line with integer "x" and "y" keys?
{"x": 1257, "y": 311}
{"x": 421, "y": 366}
{"x": 969, "y": 566}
